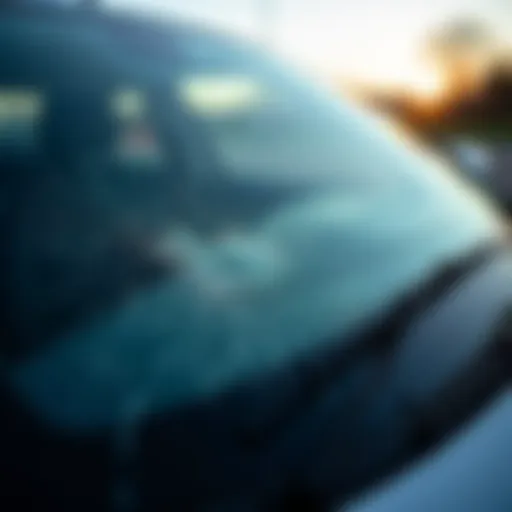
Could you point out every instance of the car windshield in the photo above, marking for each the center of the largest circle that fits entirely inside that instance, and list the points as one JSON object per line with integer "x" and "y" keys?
{"x": 378, "y": 217}
{"x": 389, "y": 214}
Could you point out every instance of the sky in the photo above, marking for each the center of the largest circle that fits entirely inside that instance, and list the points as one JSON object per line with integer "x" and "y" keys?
{"x": 367, "y": 40}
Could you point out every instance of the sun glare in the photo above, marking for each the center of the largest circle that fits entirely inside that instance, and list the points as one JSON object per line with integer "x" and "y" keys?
{"x": 392, "y": 67}
{"x": 423, "y": 83}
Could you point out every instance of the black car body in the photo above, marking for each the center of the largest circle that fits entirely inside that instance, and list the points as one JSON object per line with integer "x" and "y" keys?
{"x": 223, "y": 289}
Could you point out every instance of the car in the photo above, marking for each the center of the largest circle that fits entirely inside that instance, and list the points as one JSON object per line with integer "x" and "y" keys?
{"x": 225, "y": 289}
{"x": 484, "y": 164}
{"x": 475, "y": 158}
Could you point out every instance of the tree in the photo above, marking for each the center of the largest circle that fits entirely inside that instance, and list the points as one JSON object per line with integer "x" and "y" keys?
{"x": 462, "y": 51}
{"x": 496, "y": 102}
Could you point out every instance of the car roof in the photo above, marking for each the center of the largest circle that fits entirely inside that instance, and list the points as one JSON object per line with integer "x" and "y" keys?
{"x": 110, "y": 18}
{"x": 83, "y": 38}
{"x": 69, "y": 43}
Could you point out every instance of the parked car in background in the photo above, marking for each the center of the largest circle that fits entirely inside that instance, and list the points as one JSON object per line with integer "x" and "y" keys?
{"x": 222, "y": 288}
{"x": 485, "y": 164}
{"x": 476, "y": 158}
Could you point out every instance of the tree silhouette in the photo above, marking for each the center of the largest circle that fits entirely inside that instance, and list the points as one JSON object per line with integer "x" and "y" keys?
{"x": 461, "y": 50}
{"x": 496, "y": 100}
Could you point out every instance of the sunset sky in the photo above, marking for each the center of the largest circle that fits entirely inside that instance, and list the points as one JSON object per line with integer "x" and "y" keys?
{"x": 368, "y": 40}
